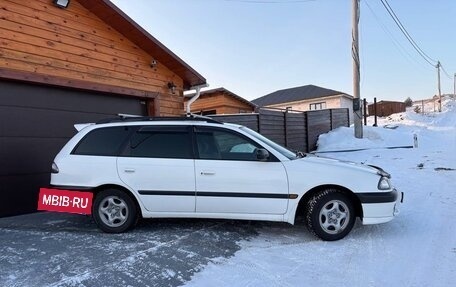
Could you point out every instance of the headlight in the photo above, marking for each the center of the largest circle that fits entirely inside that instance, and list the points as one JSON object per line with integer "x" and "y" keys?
{"x": 384, "y": 183}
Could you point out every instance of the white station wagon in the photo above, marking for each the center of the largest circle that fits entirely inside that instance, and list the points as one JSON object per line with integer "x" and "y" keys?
{"x": 201, "y": 168}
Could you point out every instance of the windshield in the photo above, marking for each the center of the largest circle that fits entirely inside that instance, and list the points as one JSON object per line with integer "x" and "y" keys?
{"x": 285, "y": 152}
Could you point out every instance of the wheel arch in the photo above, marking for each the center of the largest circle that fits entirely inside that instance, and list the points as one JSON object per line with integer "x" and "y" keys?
{"x": 301, "y": 209}
{"x": 97, "y": 190}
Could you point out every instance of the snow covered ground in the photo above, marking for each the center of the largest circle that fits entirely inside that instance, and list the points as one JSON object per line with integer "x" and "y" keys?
{"x": 418, "y": 248}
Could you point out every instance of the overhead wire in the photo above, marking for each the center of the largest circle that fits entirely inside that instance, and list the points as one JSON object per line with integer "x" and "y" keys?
{"x": 404, "y": 31}
{"x": 396, "y": 43}
{"x": 445, "y": 72}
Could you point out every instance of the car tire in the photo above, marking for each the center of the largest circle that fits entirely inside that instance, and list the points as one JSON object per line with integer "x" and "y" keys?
{"x": 330, "y": 215}
{"x": 114, "y": 211}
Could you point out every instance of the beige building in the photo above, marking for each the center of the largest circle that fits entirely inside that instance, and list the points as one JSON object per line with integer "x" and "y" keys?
{"x": 307, "y": 98}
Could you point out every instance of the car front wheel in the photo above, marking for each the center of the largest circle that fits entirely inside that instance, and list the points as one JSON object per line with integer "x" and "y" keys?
{"x": 114, "y": 211}
{"x": 330, "y": 215}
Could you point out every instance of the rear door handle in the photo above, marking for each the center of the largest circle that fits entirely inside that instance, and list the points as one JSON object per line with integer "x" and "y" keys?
{"x": 208, "y": 172}
{"x": 129, "y": 170}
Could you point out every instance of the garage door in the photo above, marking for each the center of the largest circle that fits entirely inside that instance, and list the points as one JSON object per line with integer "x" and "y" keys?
{"x": 35, "y": 122}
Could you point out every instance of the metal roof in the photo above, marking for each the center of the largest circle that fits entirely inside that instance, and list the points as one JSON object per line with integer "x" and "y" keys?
{"x": 296, "y": 94}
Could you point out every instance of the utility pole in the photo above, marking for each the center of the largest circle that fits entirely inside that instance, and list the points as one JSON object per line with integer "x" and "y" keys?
{"x": 357, "y": 116}
{"x": 438, "y": 85}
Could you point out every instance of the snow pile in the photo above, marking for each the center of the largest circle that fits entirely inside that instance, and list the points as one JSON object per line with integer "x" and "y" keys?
{"x": 397, "y": 130}
{"x": 373, "y": 137}
{"x": 418, "y": 248}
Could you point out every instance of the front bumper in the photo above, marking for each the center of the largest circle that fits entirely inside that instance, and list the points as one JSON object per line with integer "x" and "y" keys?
{"x": 381, "y": 197}
{"x": 380, "y": 207}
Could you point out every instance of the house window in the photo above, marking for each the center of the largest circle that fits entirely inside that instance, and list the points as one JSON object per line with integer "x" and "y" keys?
{"x": 317, "y": 106}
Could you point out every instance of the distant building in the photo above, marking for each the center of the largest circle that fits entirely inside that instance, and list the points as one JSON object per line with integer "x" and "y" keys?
{"x": 219, "y": 101}
{"x": 386, "y": 108}
{"x": 307, "y": 98}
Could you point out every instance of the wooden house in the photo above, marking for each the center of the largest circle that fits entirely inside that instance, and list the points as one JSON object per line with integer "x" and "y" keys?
{"x": 386, "y": 108}
{"x": 65, "y": 64}
{"x": 220, "y": 101}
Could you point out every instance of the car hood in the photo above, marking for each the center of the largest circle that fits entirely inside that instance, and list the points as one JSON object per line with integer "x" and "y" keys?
{"x": 314, "y": 159}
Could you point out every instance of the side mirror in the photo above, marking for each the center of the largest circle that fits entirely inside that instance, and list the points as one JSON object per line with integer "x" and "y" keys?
{"x": 262, "y": 154}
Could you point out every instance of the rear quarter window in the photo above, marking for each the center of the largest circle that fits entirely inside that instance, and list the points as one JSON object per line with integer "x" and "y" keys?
{"x": 103, "y": 141}
{"x": 160, "y": 142}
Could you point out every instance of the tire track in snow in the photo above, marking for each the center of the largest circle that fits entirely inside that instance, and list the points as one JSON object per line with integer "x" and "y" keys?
{"x": 88, "y": 274}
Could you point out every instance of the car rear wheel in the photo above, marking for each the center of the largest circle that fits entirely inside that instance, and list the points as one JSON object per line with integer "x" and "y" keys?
{"x": 330, "y": 215}
{"x": 114, "y": 211}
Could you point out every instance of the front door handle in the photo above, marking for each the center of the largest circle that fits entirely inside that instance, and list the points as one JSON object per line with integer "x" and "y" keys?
{"x": 129, "y": 170}
{"x": 208, "y": 172}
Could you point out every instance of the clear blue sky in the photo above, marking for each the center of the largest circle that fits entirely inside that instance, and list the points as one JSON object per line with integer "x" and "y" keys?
{"x": 253, "y": 49}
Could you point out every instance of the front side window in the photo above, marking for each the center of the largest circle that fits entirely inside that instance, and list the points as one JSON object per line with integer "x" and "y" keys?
{"x": 284, "y": 151}
{"x": 160, "y": 142}
{"x": 103, "y": 141}
{"x": 224, "y": 145}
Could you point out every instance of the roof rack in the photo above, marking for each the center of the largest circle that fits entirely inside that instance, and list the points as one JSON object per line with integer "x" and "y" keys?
{"x": 127, "y": 118}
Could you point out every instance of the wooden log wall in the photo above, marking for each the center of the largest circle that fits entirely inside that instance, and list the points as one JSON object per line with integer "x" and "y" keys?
{"x": 73, "y": 43}
{"x": 221, "y": 102}
{"x": 386, "y": 108}
{"x": 297, "y": 131}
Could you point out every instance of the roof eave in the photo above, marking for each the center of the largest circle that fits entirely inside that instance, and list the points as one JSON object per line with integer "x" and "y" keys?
{"x": 122, "y": 23}
{"x": 224, "y": 91}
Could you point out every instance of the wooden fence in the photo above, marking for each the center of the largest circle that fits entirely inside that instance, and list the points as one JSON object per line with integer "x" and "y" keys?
{"x": 297, "y": 131}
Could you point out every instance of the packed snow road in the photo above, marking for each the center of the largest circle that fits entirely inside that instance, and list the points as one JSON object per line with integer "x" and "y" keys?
{"x": 418, "y": 248}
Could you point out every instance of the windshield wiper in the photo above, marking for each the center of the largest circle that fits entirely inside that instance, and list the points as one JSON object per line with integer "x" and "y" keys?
{"x": 300, "y": 154}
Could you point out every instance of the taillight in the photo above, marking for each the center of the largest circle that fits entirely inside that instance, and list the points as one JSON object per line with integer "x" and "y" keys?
{"x": 55, "y": 168}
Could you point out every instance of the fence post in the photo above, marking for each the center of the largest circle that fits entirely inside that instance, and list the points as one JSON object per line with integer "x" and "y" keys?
{"x": 285, "y": 125}
{"x": 306, "y": 116}
{"x": 348, "y": 117}
{"x": 365, "y": 111}
{"x": 375, "y": 112}
{"x": 258, "y": 122}
{"x": 330, "y": 119}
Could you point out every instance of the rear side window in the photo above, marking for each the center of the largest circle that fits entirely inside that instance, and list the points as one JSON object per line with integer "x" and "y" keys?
{"x": 160, "y": 142}
{"x": 103, "y": 141}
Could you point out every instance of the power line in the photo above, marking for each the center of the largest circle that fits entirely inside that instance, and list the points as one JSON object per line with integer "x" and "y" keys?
{"x": 446, "y": 73}
{"x": 396, "y": 43}
{"x": 406, "y": 34}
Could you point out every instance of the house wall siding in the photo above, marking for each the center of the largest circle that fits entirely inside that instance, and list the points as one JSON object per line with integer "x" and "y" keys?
{"x": 347, "y": 103}
{"x": 386, "y": 108}
{"x": 73, "y": 43}
{"x": 333, "y": 102}
{"x": 222, "y": 103}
